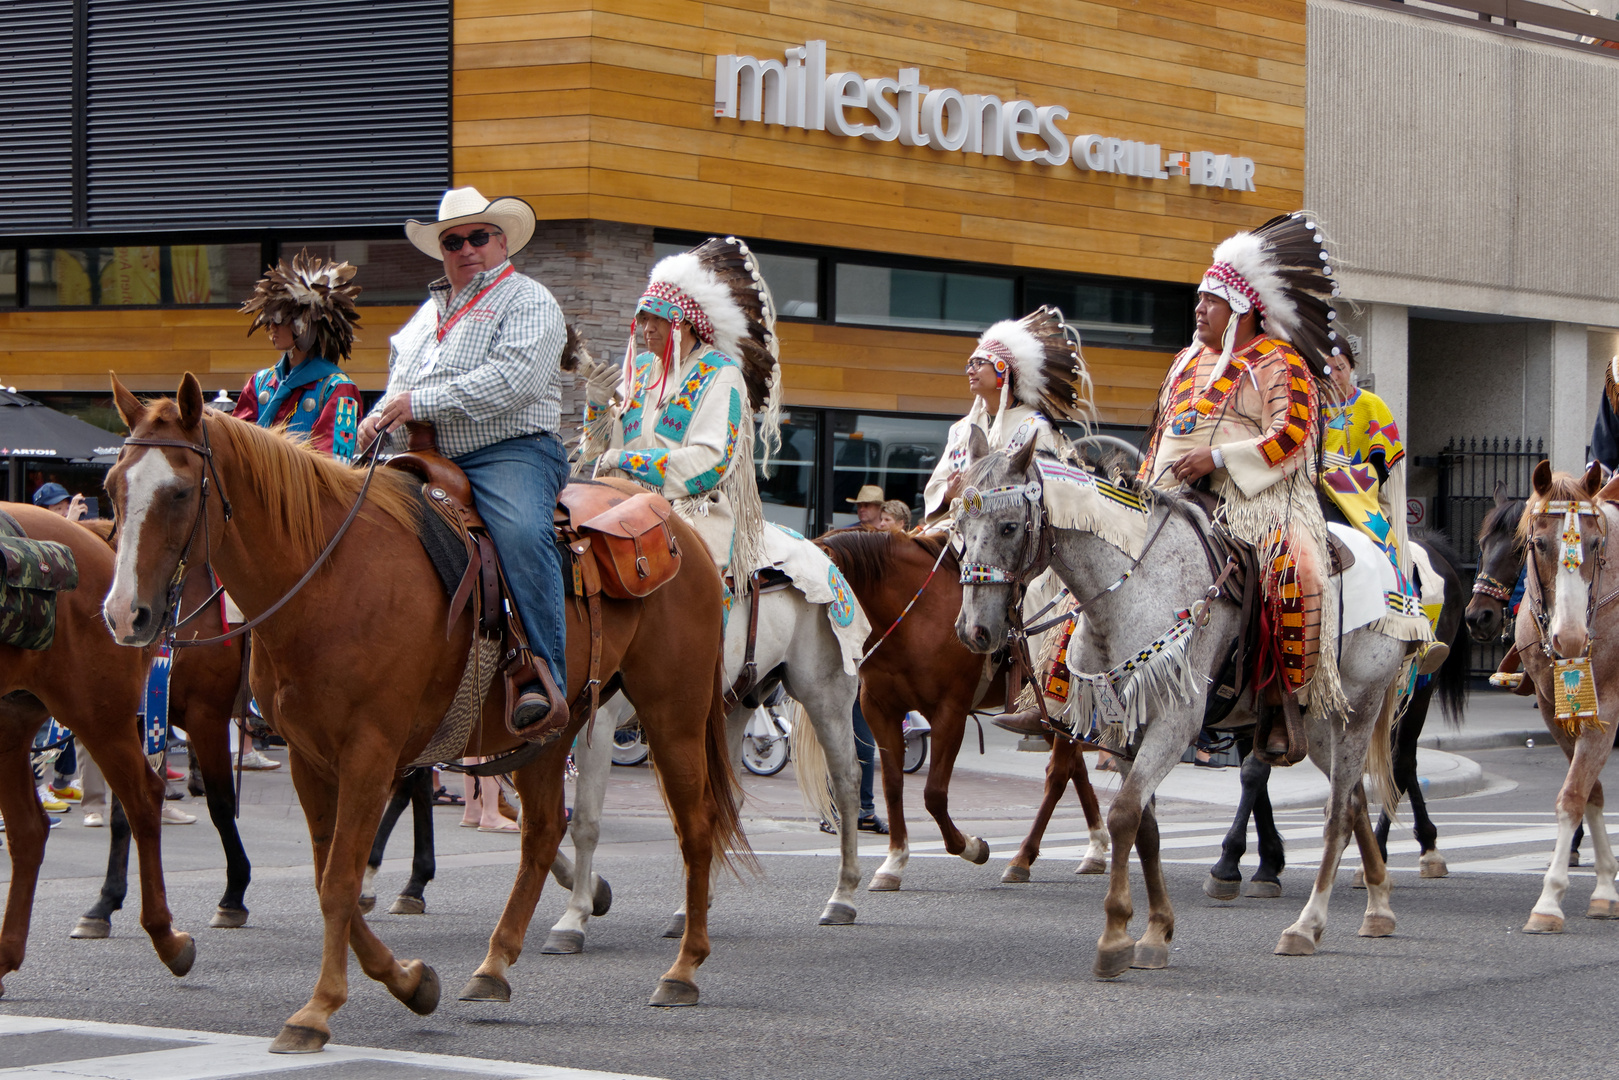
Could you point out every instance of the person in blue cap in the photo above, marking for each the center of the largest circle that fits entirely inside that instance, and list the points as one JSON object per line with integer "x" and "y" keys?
{"x": 56, "y": 498}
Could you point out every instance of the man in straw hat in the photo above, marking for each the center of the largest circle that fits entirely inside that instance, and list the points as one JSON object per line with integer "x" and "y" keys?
{"x": 868, "y": 505}
{"x": 480, "y": 360}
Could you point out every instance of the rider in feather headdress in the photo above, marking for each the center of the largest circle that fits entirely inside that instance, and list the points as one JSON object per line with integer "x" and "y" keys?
{"x": 680, "y": 418}
{"x": 308, "y": 311}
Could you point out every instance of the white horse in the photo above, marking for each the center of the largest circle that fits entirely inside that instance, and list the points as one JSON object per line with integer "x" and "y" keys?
{"x": 1130, "y": 604}
{"x": 797, "y": 645}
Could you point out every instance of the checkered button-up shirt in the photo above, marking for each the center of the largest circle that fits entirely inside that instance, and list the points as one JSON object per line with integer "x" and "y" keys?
{"x": 495, "y": 374}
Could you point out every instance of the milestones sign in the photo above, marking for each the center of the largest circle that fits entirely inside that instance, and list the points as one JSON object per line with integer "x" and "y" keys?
{"x": 797, "y": 92}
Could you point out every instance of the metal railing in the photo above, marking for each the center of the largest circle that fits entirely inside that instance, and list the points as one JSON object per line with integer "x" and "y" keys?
{"x": 1523, "y": 18}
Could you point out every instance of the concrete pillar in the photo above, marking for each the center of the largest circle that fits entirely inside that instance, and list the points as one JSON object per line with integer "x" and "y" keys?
{"x": 1385, "y": 355}
{"x": 1571, "y": 413}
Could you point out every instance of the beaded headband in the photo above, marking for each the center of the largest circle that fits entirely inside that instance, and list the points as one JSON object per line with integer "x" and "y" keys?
{"x": 667, "y": 302}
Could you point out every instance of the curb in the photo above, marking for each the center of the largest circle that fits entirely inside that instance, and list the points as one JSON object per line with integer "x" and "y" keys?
{"x": 1456, "y": 742}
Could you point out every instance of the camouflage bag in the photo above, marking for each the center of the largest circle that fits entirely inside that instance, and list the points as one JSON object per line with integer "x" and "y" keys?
{"x": 35, "y": 571}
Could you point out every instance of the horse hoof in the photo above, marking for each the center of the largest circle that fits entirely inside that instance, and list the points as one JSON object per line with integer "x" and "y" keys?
{"x": 1263, "y": 890}
{"x": 602, "y": 901}
{"x": 1358, "y": 881}
{"x": 1574, "y": 858}
{"x": 1432, "y": 865}
{"x": 883, "y": 883}
{"x": 1377, "y": 926}
{"x": 1015, "y": 875}
{"x": 367, "y": 904}
{"x": 486, "y": 988}
{"x": 297, "y": 1039}
{"x": 1295, "y": 943}
{"x": 677, "y": 925}
{"x": 182, "y": 960}
{"x": 976, "y": 851}
{"x": 837, "y": 913}
{"x": 407, "y": 905}
{"x": 228, "y": 918}
{"x": 1221, "y": 890}
{"x": 1543, "y": 924}
{"x": 1150, "y": 957}
{"x": 563, "y": 943}
{"x": 425, "y": 998}
{"x": 89, "y": 927}
{"x": 1091, "y": 865}
{"x": 673, "y": 993}
{"x": 1111, "y": 963}
{"x": 1603, "y": 909}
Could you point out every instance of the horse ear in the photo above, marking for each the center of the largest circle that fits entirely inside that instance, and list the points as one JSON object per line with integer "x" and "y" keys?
{"x": 1023, "y": 458}
{"x": 1501, "y": 497}
{"x": 190, "y": 400}
{"x": 129, "y": 406}
{"x": 977, "y": 445}
{"x": 1593, "y": 478}
{"x": 1542, "y": 479}
{"x": 1609, "y": 491}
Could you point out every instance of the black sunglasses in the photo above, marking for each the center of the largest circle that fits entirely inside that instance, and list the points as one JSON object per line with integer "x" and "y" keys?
{"x": 456, "y": 243}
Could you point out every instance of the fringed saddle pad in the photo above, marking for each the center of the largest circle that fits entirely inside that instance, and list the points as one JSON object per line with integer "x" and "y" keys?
{"x": 35, "y": 571}
{"x": 449, "y": 742}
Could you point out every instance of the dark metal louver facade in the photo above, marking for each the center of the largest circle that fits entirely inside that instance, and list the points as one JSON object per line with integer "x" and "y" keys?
{"x": 36, "y": 108}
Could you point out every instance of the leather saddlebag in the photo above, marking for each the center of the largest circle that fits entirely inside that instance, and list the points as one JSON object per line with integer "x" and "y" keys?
{"x": 634, "y": 546}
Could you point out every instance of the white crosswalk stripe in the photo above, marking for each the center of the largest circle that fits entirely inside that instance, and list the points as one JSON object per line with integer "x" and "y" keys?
{"x": 1494, "y": 843}
{"x": 44, "y": 1048}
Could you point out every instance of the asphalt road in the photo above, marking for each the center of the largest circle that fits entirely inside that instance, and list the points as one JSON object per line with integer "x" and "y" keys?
{"x": 955, "y": 976}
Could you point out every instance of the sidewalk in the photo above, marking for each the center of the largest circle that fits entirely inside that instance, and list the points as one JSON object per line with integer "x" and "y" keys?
{"x": 1492, "y": 719}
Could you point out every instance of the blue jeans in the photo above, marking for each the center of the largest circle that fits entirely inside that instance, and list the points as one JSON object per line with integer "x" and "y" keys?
{"x": 865, "y": 748}
{"x": 516, "y": 483}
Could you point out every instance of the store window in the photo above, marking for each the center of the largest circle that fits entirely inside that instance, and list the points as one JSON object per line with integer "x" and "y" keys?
{"x": 1116, "y": 314}
{"x": 387, "y": 271}
{"x": 787, "y": 485}
{"x": 897, "y": 453}
{"x": 921, "y": 299}
{"x": 8, "y": 279}
{"x": 142, "y": 275}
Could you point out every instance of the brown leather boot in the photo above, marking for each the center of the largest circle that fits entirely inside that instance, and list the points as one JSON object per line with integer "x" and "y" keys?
{"x": 1023, "y": 722}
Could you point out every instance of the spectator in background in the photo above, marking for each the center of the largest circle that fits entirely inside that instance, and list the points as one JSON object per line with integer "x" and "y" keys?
{"x": 868, "y": 505}
{"x": 55, "y": 498}
{"x": 1605, "y": 435}
{"x": 895, "y": 515}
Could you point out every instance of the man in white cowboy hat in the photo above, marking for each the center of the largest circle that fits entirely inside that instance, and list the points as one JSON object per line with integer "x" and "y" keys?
{"x": 480, "y": 361}
{"x": 868, "y": 505}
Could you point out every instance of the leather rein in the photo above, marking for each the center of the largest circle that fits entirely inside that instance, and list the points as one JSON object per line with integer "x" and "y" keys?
{"x": 176, "y": 583}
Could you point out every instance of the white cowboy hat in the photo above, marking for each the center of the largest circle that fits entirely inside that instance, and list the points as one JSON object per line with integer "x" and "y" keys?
{"x": 465, "y": 206}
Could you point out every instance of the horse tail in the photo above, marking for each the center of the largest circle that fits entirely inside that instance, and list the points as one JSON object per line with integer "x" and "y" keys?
{"x": 730, "y": 842}
{"x": 1380, "y": 755}
{"x": 809, "y": 764}
{"x": 1454, "y": 676}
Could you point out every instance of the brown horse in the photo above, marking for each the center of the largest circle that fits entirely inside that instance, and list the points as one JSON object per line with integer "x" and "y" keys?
{"x": 922, "y": 665}
{"x": 356, "y": 671}
{"x": 92, "y": 686}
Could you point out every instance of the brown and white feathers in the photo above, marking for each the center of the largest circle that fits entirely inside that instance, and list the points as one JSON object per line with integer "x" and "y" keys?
{"x": 1049, "y": 372}
{"x": 1283, "y": 268}
{"x": 315, "y": 297}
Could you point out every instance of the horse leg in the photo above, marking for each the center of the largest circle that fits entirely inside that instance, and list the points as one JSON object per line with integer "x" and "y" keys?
{"x": 1266, "y": 882}
{"x": 339, "y": 815}
{"x": 588, "y": 894}
{"x": 1379, "y": 919}
{"x": 884, "y": 720}
{"x": 1094, "y": 860}
{"x": 947, "y": 738}
{"x": 97, "y": 922}
{"x": 1590, "y": 753}
{"x": 828, "y": 702}
{"x": 1059, "y": 765}
{"x": 1160, "y": 749}
{"x": 1604, "y": 899}
{"x": 419, "y": 789}
{"x": 1152, "y": 951}
{"x": 379, "y": 846}
{"x": 140, "y": 790}
{"x": 1225, "y": 877}
{"x": 540, "y": 786}
{"x": 209, "y": 730}
{"x": 26, "y": 827}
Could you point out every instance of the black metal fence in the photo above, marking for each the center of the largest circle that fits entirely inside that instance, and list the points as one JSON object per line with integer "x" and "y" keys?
{"x": 1470, "y": 472}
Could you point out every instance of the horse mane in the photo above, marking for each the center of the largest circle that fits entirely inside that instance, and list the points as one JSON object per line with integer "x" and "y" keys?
{"x": 292, "y": 478}
{"x": 867, "y": 556}
{"x": 1501, "y": 523}
{"x": 1565, "y": 486}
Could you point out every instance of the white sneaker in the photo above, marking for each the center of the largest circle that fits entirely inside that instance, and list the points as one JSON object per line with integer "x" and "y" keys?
{"x": 254, "y": 759}
{"x": 93, "y": 820}
{"x": 173, "y": 815}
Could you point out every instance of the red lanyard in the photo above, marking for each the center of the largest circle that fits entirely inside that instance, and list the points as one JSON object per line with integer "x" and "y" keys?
{"x": 444, "y": 326}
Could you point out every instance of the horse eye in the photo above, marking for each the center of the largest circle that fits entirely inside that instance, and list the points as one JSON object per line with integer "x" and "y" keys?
{"x": 182, "y": 494}
{"x": 1009, "y": 528}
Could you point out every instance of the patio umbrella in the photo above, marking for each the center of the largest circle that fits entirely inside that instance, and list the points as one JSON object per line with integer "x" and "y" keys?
{"x": 38, "y": 433}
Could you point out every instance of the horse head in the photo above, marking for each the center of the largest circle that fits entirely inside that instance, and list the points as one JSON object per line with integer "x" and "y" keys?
{"x": 1499, "y": 561}
{"x": 1000, "y": 527}
{"x": 1565, "y": 530}
{"x": 156, "y": 493}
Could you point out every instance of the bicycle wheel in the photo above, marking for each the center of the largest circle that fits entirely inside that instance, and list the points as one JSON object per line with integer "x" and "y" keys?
{"x": 916, "y": 752}
{"x": 764, "y": 755}
{"x": 629, "y": 747}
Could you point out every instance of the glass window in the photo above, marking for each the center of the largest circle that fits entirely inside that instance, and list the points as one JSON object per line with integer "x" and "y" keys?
{"x": 8, "y": 278}
{"x": 1117, "y": 314}
{"x": 142, "y": 275}
{"x": 897, "y": 453}
{"x": 788, "y": 486}
{"x": 924, "y": 299}
{"x": 387, "y": 271}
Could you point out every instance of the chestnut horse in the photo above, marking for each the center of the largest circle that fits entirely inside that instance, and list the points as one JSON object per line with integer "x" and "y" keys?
{"x": 356, "y": 671}
{"x": 92, "y": 686}
{"x": 922, "y": 665}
